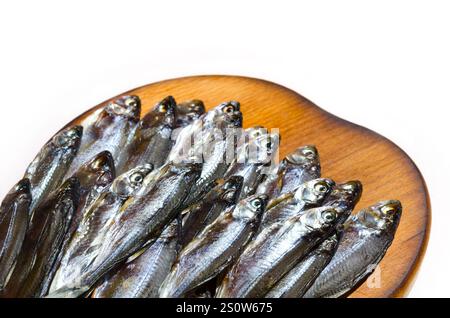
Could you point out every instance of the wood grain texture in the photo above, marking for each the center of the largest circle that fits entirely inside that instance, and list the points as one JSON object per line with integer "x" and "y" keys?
{"x": 347, "y": 152}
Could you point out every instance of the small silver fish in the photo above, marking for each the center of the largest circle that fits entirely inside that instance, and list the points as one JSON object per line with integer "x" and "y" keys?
{"x": 189, "y": 111}
{"x": 216, "y": 146}
{"x": 252, "y": 156}
{"x": 14, "y": 217}
{"x": 298, "y": 167}
{"x": 95, "y": 177}
{"x": 47, "y": 171}
{"x": 295, "y": 283}
{"x": 140, "y": 221}
{"x": 214, "y": 248}
{"x": 365, "y": 240}
{"x": 224, "y": 114}
{"x": 275, "y": 251}
{"x": 89, "y": 235}
{"x": 308, "y": 195}
{"x": 152, "y": 141}
{"x": 345, "y": 196}
{"x": 110, "y": 129}
{"x": 42, "y": 242}
{"x": 197, "y": 137}
{"x": 195, "y": 218}
{"x": 144, "y": 272}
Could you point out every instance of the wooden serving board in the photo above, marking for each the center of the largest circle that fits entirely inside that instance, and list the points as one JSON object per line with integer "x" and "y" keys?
{"x": 347, "y": 152}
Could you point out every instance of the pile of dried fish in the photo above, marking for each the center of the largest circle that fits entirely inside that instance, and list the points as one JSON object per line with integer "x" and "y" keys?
{"x": 119, "y": 207}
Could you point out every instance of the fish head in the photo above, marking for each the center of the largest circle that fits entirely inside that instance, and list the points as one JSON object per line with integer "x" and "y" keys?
{"x": 128, "y": 106}
{"x": 131, "y": 181}
{"x": 230, "y": 114}
{"x": 255, "y": 132}
{"x": 314, "y": 191}
{"x": 195, "y": 107}
{"x": 320, "y": 219}
{"x": 229, "y": 107}
{"x": 347, "y": 193}
{"x": 306, "y": 156}
{"x": 190, "y": 169}
{"x": 22, "y": 187}
{"x": 329, "y": 245}
{"x": 264, "y": 147}
{"x": 191, "y": 109}
{"x": 163, "y": 114}
{"x": 231, "y": 189}
{"x": 69, "y": 192}
{"x": 100, "y": 169}
{"x": 69, "y": 138}
{"x": 382, "y": 215}
{"x": 20, "y": 192}
{"x": 251, "y": 207}
{"x": 225, "y": 115}
{"x": 246, "y": 144}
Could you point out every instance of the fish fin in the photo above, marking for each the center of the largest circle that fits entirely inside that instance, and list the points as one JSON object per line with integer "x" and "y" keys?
{"x": 69, "y": 292}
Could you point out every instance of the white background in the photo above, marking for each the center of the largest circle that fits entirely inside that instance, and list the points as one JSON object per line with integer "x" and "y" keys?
{"x": 382, "y": 64}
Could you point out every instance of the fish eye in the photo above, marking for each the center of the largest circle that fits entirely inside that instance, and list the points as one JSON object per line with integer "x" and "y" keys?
{"x": 136, "y": 177}
{"x": 228, "y": 185}
{"x": 388, "y": 210}
{"x": 321, "y": 187}
{"x": 329, "y": 216}
{"x": 71, "y": 133}
{"x": 309, "y": 153}
{"x": 163, "y": 108}
{"x": 255, "y": 133}
{"x": 131, "y": 102}
{"x": 228, "y": 109}
{"x": 257, "y": 203}
{"x": 197, "y": 109}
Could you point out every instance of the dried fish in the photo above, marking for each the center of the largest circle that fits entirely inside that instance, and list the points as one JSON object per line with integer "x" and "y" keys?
{"x": 195, "y": 218}
{"x": 89, "y": 236}
{"x": 189, "y": 111}
{"x": 141, "y": 220}
{"x": 199, "y": 209}
{"x": 215, "y": 146}
{"x": 214, "y": 248}
{"x": 276, "y": 250}
{"x": 110, "y": 129}
{"x": 300, "y": 166}
{"x": 42, "y": 242}
{"x": 14, "y": 217}
{"x": 95, "y": 177}
{"x": 144, "y": 272}
{"x": 152, "y": 141}
{"x": 46, "y": 172}
{"x": 308, "y": 195}
{"x": 252, "y": 157}
{"x": 345, "y": 196}
{"x": 365, "y": 240}
{"x": 295, "y": 283}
